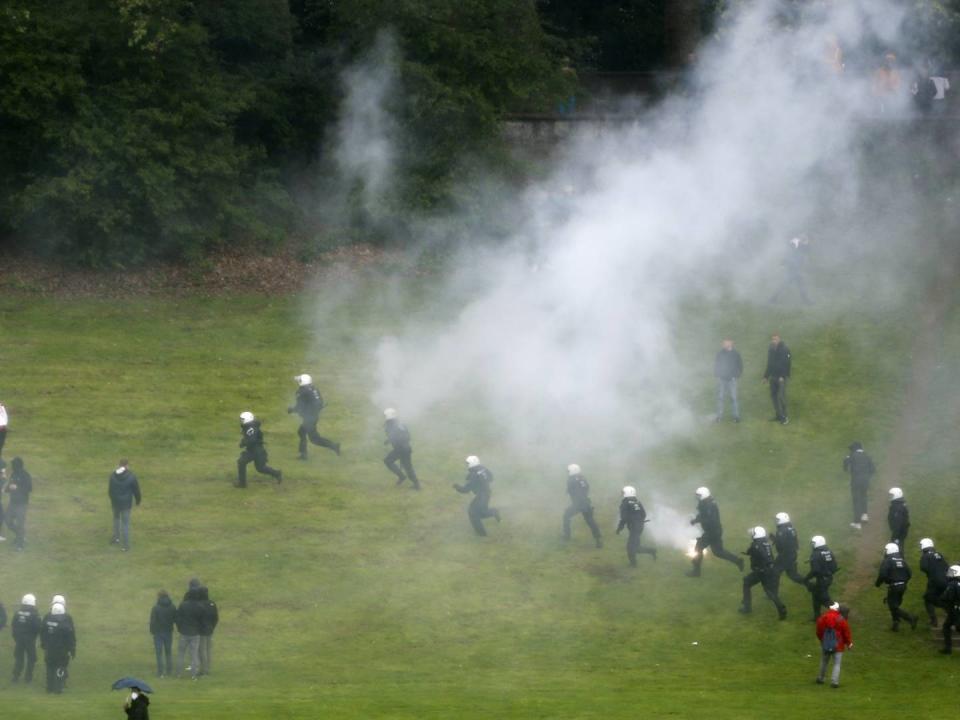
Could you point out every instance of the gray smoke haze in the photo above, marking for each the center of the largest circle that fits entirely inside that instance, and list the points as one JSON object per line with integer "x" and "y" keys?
{"x": 563, "y": 339}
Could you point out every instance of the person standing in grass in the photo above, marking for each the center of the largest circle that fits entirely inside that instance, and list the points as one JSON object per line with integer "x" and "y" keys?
{"x": 478, "y": 482}
{"x": 307, "y": 404}
{"x": 779, "y": 362}
{"x": 209, "y": 617}
{"x": 59, "y": 640}
{"x": 727, "y": 369}
{"x": 633, "y": 516}
{"x": 708, "y": 517}
{"x": 934, "y": 566}
{"x": 833, "y": 632}
{"x": 823, "y": 566}
{"x": 26, "y": 627}
{"x": 951, "y": 601}
{"x": 18, "y": 488}
{"x": 4, "y": 418}
{"x": 579, "y": 491}
{"x": 399, "y": 439}
{"x": 861, "y": 469}
{"x": 895, "y": 573}
{"x": 162, "y": 619}
{"x": 189, "y": 622}
{"x": 124, "y": 490}
{"x": 253, "y": 451}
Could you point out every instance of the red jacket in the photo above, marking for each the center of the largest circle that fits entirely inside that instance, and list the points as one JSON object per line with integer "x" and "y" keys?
{"x": 833, "y": 618}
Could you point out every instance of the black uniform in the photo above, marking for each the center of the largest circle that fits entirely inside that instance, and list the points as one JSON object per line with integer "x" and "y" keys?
{"x": 785, "y": 540}
{"x": 25, "y": 626}
{"x": 895, "y": 572}
{"x": 59, "y": 641}
{"x": 308, "y": 404}
{"x": 708, "y": 515}
{"x": 934, "y": 566}
{"x": 399, "y": 438}
{"x": 779, "y": 362}
{"x": 633, "y": 516}
{"x": 822, "y": 568}
{"x": 253, "y": 451}
{"x": 19, "y": 488}
{"x": 763, "y": 570}
{"x": 951, "y": 602}
{"x": 579, "y": 491}
{"x": 861, "y": 469}
{"x": 898, "y": 518}
{"x": 478, "y": 483}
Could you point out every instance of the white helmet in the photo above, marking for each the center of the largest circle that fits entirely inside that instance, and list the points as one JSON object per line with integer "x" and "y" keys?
{"x": 782, "y": 518}
{"x": 818, "y": 541}
{"x": 59, "y": 599}
{"x": 896, "y": 493}
{"x": 302, "y": 380}
{"x": 390, "y": 414}
{"x": 703, "y": 493}
{"x": 629, "y": 491}
{"x": 834, "y": 606}
{"x": 573, "y": 469}
{"x": 472, "y": 461}
{"x": 926, "y": 543}
{"x": 758, "y": 533}
{"x": 891, "y": 548}
{"x": 29, "y": 599}
{"x": 246, "y": 417}
{"x": 953, "y": 571}
{"x": 58, "y": 609}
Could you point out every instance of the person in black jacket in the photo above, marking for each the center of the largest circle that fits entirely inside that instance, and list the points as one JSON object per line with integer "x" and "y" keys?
{"x": 25, "y": 626}
{"x": 253, "y": 451}
{"x": 823, "y": 566}
{"x": 898, "y": 517}
{"x": 189, "y": 624}
{"x": 934, "y": 566}
{"x": 163, "y": 615}
{"x": 209, "y": 617}
{"x": 777, "y": 374}
{"x": 399, "y": 438}
{"x": 708, "y": 517}
{"x": 478, "y": 482}
{"x": 951, "y": 602}
{"x": 18, "y": 488}
{"x": 861, "y": 469}
{"x": 895, "y": 572}
{"x": 59, "y": 641}
{"x": 579, "y": 491}
{"x": 788, "y": 546}
{"x": 727, "y": 369}
{"x": 308, "y": 404}
{"x": 633, "y": 516}
{"x": 762, "y": 571}
{"x": 137, "y": 705}
{"x": 123, "y": 491}
{"x": 795, "y": 259}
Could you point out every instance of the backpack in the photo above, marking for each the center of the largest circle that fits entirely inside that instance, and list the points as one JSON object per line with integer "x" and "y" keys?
{"x": 829, "y": 641}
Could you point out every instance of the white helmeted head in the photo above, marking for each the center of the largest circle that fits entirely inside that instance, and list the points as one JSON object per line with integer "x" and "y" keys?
{"x": 834, "y": 606}
{"x": 895, "y": 493}
{"x": 303, "y": 380}
{"x": 818, "y": 541}
{"x": 758, "y": 533}
{"x": 29, "y": 600}
{"x": 472, "y": 461}
{"x": 58, "y": 599}
{"x": 246, "y": 417}
{"x": 390, "y": 414}
{"x": 702, "y": 493}
{"x": 891, "y": 548}
{"x": 629, "y": 491}
{"x": 58, "y": 609}
{"x": 953, "y": 571}
{"x": 573, "y": 469}
{"x": 782, "y": 518}
{"x": 926, "y": 544}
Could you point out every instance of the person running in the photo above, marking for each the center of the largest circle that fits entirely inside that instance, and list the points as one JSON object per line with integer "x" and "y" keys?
{"x": 253, "y": 451}
{"x": 579, "y": 491}
{"x": 307, "y": 404}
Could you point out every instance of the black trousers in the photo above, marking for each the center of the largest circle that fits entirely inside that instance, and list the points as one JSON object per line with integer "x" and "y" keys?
{"x": 819, "y": 588}
{"x": 634, "y": 548}
{"x": 580, "y": 509}
{"x": 858, "y": 492}
{"x": 789, "y": 568}
{"x": 931, "y": 601}
{"x": 3, "y": 439}
{"x": 770, "y": 579}
{"x": 778, "y": 395}
{"x": 56, "y": 673}
{"x": 257, "y": 456}
{"x": 899, "y": 536}
{"x": 404, "y": 456}
{"x": 308, "y": 429}
{"x": 24, "y": 650}
{"x": 894, "y": 601}
{"x": 714, "y": 544}
{"x": 953, "y": 619}
{"x": 478, "y": 511}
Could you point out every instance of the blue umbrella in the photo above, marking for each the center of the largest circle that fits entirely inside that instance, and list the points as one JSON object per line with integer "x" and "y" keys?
{"x": 132, "y": 682}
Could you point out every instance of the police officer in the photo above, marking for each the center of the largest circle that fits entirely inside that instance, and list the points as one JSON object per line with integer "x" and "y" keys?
{"x": 861, "y": 469}
{"x": 253, "y": 451}
{"x": 579, "y": 491}
{"x": 788, "y": 546}
{"x": 823, "y": 566}
{"x": 934, "y": 566}
{"x": 762, "y": 570}
{"x": 898, "y": 517}
{"x": 26, "y": 627}
{"x": 308, "y": 404}
{"x": 59, "y": 641}
{"x": 478, "y": 482}
{"x": 895, "y": 572}
{"x": 633, "y": 516}
{"x": 951, "y": 601}
{"x": 708, "y": 516}
{"x": 399, "y": 439}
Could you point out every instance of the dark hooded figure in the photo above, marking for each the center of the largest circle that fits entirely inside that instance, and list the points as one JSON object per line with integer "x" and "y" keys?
{"x": 137, "y": 705}
{"x": 163, "y": 615}
{"x": 123, "y": 491}
{"x": 25, "y": 625}
{"x": 579, "y": 491}
{"x": 478, "y": 482}
{"x": 308, "y": 404}
{"x": 898, "y": 518}
{"x": 253, "y": 451}
{"x": 59, "y": 640}
{"x": 209, "y": 617}
{"x": 190, "y": 625}
{"x": 18, "y": 488}
{"x": 861, "y": 469}
{"x": 763, "y": 571}
{"x": 934, "y": 566}
{"x": 398, "y": 437}
{"x": 708, "y": 517}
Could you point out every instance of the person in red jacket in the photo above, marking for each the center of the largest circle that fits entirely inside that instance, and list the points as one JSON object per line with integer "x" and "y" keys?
{"x": 835, "y": 620}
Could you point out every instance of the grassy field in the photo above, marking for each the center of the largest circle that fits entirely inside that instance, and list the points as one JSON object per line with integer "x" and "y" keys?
{"x": 344, "y": 597}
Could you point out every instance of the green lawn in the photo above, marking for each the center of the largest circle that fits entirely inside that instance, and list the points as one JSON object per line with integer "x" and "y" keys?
{"x": 342, "y": 596}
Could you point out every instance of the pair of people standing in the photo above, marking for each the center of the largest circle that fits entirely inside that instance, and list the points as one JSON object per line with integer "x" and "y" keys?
{"x": 728, "y": 367}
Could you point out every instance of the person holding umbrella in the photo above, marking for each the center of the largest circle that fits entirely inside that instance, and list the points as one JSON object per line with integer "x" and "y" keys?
{"x": 137, "y": 704}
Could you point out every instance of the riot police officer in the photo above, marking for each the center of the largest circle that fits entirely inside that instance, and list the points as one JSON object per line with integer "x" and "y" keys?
{"x": 895, "y": 572}
{"x": 763, "y": 571}
{"x": 399, "y": 438}
{"x": 823, "y": 566}
{"x": 253, "y": 451}
{"x": 708, "y": 517}
{"x": 579, "y": 491}
{"x": 25, "y": 626}
{"x": 785, "y": 540}
{"x": 633, "y": 516}
{"x": 951, "y": 601}
{"x": 934, "y": 566}
{"x": 478, "y": 483}
{"x": 307, "y": 404}
{"x": 898, "y": 517}
{"x": 59, "y": 643}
